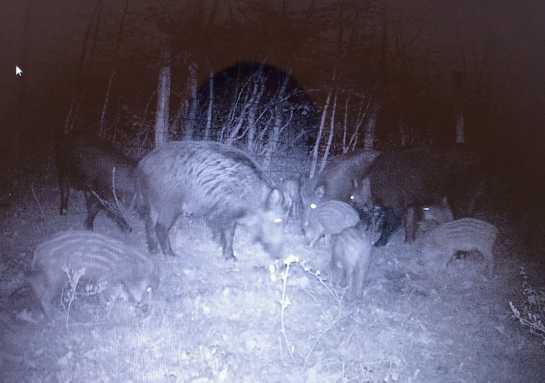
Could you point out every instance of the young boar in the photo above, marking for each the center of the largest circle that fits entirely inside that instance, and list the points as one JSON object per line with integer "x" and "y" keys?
{"x": 351, "y": 255}
{"x": 100, "y": 259}
{"x": 329, "y": 218}
{"x": 466, "y": 234}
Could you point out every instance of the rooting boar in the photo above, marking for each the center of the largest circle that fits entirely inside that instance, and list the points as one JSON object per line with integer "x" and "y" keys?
{"x": 351, "y": 255}
{"x": 104, "y": 174}
{"x": 210, "y": 180}
{"x": 402, "y": 181}
{"x": 466, "y": 234}
{"x": 336, "y": 181}
{"x": 100, "y": 259}
{"x": 329, "y": 218}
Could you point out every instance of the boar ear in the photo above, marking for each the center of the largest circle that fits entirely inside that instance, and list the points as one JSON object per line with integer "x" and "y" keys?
{"x": 320, "y": 191}
{"x": 365, "y": 185}
{"x": 275, "y": 199}
{"x": 355, "y": 183}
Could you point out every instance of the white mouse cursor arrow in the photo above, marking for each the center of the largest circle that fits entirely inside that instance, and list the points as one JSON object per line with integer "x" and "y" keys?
{"x": 18, "y": 71}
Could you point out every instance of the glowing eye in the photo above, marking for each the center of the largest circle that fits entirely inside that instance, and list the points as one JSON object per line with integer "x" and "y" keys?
{"x": 352, "y": 197}
{"x": 313, "y": 206}
{"x": 426, "y": 209}
{"x": 277, "y": 220}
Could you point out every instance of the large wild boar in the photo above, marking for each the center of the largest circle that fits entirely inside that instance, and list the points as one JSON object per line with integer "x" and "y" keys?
{"x": 336, "y": 181}
{"x": 402, "y": 181}
{"x": 100, "y": 259}
{"x": 210, "y": 180}
{"x": 105, "y": 175}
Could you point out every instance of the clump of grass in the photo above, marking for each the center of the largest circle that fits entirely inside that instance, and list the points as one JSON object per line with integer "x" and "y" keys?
{"x": 69, "y": 296}
{"x": 531, "y": 313}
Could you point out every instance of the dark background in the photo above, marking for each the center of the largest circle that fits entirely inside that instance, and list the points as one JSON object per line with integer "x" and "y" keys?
{"x": 424, "y": 60}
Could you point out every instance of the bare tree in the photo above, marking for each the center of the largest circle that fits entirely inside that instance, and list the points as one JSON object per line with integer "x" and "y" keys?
{"x": 278, "y": 123}
{"x": 257, "y": 93}
{"x": 85, "y": 54}
{"x": 345, "y": 124}
{"x": 315, "y": 149}
{"x": 163, "y": 99}
{"x": 187, "y": 30}
{"x": 370, "y": 130}
{"x": 331, "y": 133}
{"x": 460, "y": 131}
{"x": 210, "y": 109}
{"x": 191, "y": 104}
{"x": 115, "y": 67}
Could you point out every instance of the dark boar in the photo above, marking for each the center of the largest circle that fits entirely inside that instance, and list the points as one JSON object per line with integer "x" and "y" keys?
{"x": 266, "y": 85}
{"x": 210, "y": 180}
{"x": 330, "y": 217}
{"x": 402, "y": 181}
{"x": 335, "y": 182}
{"x": 351, "y": 255}
{"x": 101, "y": 259}
{"x": 104, "y": 174}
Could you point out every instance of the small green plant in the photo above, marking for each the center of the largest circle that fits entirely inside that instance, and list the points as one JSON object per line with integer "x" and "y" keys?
{"x": 531, "y": 314}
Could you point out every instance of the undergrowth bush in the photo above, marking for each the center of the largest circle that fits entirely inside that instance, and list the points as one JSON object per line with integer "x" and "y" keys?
{"x": 531, "y": 312}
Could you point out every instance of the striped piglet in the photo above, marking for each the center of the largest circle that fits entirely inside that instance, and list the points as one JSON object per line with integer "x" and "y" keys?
{"x": 350, "y": 258}
{"x": 100, "y": 259}
{"x": 439, "y": 245}
{"x": 328, "y": 218}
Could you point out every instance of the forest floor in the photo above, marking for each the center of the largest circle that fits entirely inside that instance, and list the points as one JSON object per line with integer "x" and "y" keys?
{"x": 253, "y": 320}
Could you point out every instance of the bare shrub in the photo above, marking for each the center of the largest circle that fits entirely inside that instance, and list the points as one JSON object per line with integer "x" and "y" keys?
{"x": 531, "y": 312}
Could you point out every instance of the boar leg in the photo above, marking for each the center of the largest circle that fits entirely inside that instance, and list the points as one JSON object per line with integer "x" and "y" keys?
{"x": 410, "y": 225}
{"x": 227, "y": 236}
{"x": 390, "y": 223}
{"x": 93, "y": 207}
{"x": 162, "y": 235}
